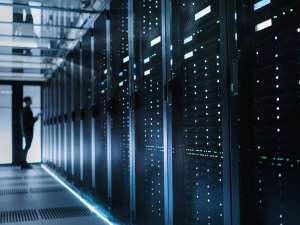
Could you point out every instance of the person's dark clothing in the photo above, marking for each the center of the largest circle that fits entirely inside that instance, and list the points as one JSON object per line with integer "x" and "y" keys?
{"x": 27, "y": 121}
{"x": 27, "y": 125}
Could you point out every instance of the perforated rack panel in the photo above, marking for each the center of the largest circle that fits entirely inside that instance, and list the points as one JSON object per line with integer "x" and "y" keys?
{"x": 275, "y": 80}
{"x": 76, "y": 113}
{"x": 198, "y": 191}
{"x": 119, "y": 94}
{"x": 87, "y": 108}
{"x": 101, "y": 106}
{"x": 68, "y": 114}
{"x": 149, "y": 120}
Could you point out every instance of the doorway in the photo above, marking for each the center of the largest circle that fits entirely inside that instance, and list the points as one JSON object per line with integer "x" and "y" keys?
{"x": 6, "y": 156}
{"x": 11, "y": 141}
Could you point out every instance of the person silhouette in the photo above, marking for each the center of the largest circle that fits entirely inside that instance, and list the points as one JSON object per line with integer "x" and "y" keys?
{"x": 27, "y": 121}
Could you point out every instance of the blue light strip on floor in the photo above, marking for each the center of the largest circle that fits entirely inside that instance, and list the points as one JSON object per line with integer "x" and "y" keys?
{"x": 93, "y": 209}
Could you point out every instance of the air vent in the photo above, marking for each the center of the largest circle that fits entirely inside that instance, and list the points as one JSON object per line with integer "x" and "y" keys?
{"x": 46, "y": 189}
{"x": 11, "y": 178}
{"x": 50, "y": 182}
{"x": 18, "y": 216}
{"x": 11, "y": 191}
{"x": 13, "y": 184}
{"x": 37, "y": 176}
{"x": 67, "y": 212}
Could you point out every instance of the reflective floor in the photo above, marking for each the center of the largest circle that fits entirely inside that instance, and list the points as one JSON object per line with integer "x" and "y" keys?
{"x": 34, "y": 197}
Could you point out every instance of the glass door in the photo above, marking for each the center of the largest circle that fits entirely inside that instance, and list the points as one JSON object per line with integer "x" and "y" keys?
{"x": 5, "y": 124}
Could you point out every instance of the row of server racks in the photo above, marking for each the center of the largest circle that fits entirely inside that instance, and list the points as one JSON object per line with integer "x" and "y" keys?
{"x": 182, "y": 112}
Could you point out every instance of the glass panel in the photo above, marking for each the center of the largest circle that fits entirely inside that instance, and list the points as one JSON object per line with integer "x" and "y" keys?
{"x": 34, "y": 154}
{"x": 5, "y": 124}
{"x": 6, "y": 14}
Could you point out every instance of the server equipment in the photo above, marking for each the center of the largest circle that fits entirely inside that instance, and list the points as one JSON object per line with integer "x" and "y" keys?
{"x": 182, "y": 112}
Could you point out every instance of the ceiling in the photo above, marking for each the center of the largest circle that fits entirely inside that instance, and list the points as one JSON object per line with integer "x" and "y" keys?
{"x": 36, "y": 35}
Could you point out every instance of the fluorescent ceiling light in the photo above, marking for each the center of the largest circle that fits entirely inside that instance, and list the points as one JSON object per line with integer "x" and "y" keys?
{"x": 29, "y": 59}
{"x": 25, "y": 65}
{"x": 12, "y": 74}
{"x": 93, "y": 209}
{"x": 23, "y": 42}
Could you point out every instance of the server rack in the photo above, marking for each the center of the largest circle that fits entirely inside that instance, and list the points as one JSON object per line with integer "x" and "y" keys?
{"x": 101, "y": 110}
{"x": 228, "y": 61}
{"x": 86, "y": 109}
{"x": 269, "y": 100}
{"x": 76, "y": 115}
{"x": 68, "y": 116}
{"x": 149, "y": 111}
{"x": 60, "y": 119}
{"x": 198, "y": 106}
{"x": 119, "y": 111}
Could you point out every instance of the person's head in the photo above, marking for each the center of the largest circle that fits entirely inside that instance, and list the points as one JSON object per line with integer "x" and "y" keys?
{"x": 27, "y": 100}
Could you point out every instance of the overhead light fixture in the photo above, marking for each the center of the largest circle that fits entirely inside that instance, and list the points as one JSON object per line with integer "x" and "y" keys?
{"x": 30, "y": 59}
{"x": 20, "y": 42}
{"x": 92, "y": 208}
{"x": 15, "y": 74}
{"x": 20, "y": 65}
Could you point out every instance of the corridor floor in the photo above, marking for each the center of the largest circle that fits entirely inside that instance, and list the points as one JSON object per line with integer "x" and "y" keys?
{"x": 32, "y": 197}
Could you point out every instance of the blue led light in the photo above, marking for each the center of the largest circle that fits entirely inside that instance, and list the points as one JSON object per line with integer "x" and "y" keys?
{"x": 261, "y": 4}
{"x": 93, "y": 209}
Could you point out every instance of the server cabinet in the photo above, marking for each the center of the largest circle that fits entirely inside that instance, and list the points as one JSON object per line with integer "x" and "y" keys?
{"x": 64, "y": 118}
{"x": 119, "y": 93}
{"x": 50, "y": 96}
{"x": 60, "y": 119}
{"x": 100, "y": 93}
{"x": 55, "y": 133}
{"x": 56, "y": 120}
{"x": 148, "y": 105}
{"x": 77, "y": 163}
{"x": 86, "y": 109}
{"x": 68, "y": 116}
{"x": 269, "y": 98}
{"x": 198, "y": 112}
{"x": 45, "y": 115}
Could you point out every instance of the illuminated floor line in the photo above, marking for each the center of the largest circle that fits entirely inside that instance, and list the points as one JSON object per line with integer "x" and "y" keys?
{"x": 81, "y": 199}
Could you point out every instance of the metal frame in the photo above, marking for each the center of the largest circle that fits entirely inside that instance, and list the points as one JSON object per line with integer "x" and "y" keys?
{"x": 132, "y": 147}
{"x": 109, "y": 147}
{"x": 167, "y": 112}
{"x": 229, "y": 141}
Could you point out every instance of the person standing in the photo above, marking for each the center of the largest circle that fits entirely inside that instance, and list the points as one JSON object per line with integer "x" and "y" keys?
{"x": 27, "y": 125}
